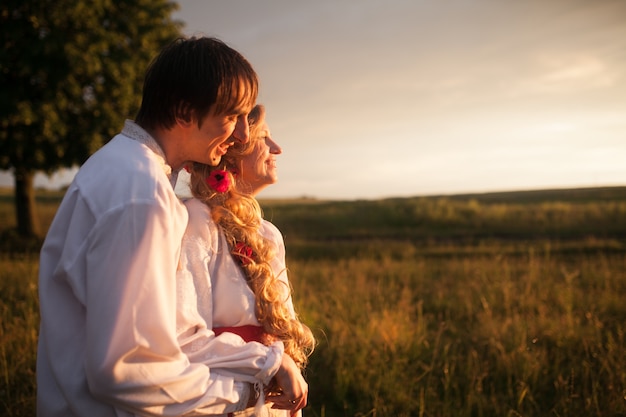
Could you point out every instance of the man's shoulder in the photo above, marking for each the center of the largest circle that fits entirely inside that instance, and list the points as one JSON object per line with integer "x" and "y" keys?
{"x": 120, "y": 153}
{"x": 121, "y": 172}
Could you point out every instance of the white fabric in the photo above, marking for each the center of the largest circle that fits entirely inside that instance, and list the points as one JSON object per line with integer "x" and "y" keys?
{"x": 212, "y": 291}
{"x": 107, "y": 287}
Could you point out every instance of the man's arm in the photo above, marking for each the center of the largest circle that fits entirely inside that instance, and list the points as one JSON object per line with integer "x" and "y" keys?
{"x": 133, "y": 360}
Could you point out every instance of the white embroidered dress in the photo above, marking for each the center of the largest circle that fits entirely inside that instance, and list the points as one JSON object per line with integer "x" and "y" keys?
{"x": 212, "y": 292}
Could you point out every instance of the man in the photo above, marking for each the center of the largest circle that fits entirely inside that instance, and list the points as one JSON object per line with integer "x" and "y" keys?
{"x": 107, "y": 287}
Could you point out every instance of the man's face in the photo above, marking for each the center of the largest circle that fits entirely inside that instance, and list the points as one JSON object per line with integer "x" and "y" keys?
{"x": 215, "y": 134}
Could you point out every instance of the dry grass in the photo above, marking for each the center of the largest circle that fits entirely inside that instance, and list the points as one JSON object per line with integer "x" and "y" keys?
{"x": 504, "y": 305}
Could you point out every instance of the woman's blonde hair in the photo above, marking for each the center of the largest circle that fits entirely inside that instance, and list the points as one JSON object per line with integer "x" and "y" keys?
{"x": 239, "y": 216}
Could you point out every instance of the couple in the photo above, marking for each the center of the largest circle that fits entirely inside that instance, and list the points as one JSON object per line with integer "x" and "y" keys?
{"x": 134, "y": 322}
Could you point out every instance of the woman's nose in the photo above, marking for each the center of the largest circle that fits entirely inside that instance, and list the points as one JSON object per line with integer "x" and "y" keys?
{"x": 274, "y": 147}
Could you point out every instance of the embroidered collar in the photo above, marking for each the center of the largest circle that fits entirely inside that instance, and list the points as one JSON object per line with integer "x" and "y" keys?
{"x": 136, "y": 132}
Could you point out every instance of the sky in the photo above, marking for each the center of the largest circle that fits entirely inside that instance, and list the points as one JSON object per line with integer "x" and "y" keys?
{"x": 390, "y": 98}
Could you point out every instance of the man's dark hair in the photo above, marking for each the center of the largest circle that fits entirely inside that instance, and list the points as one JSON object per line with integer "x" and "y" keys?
{"x": 193, "y": 76}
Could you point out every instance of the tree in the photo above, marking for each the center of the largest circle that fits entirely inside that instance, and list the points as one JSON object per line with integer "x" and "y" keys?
{"x": 71, "y": 71}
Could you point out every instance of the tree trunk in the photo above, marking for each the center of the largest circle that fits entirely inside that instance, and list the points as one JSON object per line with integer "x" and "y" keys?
{"x": 25, "y": 207}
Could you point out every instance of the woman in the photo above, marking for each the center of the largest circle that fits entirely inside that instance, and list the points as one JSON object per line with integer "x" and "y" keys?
{"x": 233, "y": 286}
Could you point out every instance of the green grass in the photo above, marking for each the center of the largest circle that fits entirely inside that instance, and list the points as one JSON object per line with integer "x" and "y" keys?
{"x": 503, "y": 304}
{"x": 574, "y": 215}
{"x": 19, "y": 324}
{"x": 530, "y": 335}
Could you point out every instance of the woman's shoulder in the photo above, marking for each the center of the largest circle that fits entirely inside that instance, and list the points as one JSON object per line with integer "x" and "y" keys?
{"x": 197, "y": 208}
{"x": 270, "y": 231}
{"x": 200, "y": 221}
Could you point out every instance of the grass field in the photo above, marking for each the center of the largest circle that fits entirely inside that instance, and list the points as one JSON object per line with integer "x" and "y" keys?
{"x": 503, "y": 304}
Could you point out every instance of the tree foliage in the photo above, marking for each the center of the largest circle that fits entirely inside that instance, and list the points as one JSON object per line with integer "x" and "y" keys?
{"x": 71, "y": 71}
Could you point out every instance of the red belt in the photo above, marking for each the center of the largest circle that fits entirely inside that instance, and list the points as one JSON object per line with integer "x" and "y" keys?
{"x": 248, "y": 333}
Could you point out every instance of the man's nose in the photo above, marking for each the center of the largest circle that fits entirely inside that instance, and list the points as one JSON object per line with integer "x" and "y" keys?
{"x": 242, "y": 130}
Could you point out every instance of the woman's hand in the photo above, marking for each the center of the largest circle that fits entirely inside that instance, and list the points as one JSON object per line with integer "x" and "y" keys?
{"x": 292, "y": 391}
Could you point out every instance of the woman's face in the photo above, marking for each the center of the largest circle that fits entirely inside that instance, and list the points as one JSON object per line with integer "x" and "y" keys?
{"x": 257, "y": 169}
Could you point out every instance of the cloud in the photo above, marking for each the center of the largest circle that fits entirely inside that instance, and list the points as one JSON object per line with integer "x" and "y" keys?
{"x": 375, "y": 98}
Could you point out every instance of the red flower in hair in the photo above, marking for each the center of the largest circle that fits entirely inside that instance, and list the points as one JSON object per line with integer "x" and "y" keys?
{"x": 219, "y": 180}
{"x": 243, "y": 253}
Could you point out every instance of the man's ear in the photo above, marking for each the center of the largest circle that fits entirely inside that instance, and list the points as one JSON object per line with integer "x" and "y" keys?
{"x": 185, "y": 116}
{"x": 184, "y": 123}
